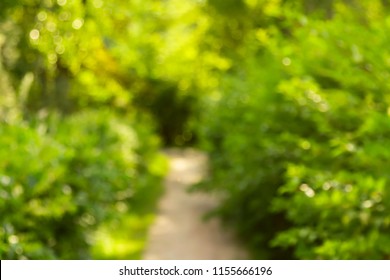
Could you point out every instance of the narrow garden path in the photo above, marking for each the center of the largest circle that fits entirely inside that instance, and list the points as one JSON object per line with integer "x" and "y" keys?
{"x": 179, "y": 231}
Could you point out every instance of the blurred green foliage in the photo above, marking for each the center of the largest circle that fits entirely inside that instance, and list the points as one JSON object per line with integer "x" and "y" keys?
{"x": 62, "y": 180}
{"x": 289, "y": 97}
{"x": 298, "y": 133}
{"x": 76, "y": 156}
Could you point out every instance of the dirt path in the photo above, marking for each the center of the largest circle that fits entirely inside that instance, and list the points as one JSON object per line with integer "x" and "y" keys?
{"x": 179, "y": 233}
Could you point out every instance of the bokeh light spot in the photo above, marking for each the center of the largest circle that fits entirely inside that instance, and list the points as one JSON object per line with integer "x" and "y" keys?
{"x": 34, "y": 34}
{"x": 77, "y": 23}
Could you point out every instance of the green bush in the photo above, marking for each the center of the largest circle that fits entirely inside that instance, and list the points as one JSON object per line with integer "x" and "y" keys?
{"x": 66, "y": 177}
{"x": 298, "y": 142}
{"x": 35, "y": 196}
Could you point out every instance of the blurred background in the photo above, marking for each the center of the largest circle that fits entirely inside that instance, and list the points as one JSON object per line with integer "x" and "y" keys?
{"x": 290, "y": 99}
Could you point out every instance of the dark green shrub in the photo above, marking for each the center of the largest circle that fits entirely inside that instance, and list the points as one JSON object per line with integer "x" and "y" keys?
{"x": 172, "y": 110}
